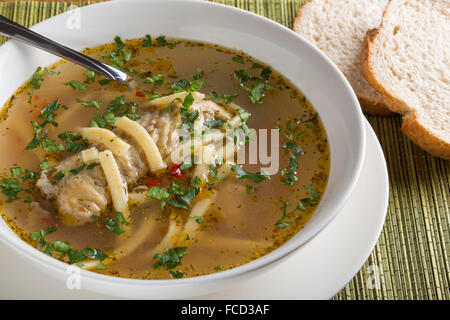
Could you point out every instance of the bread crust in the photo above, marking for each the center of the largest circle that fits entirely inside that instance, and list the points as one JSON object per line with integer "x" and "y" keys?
{"x": 374, "y": 108}
{"x": 419, "y": 134}
{"x": 369, "y": 106}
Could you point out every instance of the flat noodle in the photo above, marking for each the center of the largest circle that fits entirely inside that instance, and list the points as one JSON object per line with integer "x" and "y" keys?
{"x": 163, "y": 102}
{"x": 144, "y": 140}
{"x": 191, "y": 227}
{"x": 89, "y": 155}
{"x": 233, "y": 107}
{"x": 130, "y": 244}
{"x": 227, "y": 152}
{"x": 107, "y": 138}
{"x": 169, "y": 239}
{"x": 233, "y": 244}
{"x": 71, "y": 113}
{"x": 137, "y": 198}
{"x": 117, "y": 187}
{"x": 235, "y": 122}
{"x": 225, "y": 169}
{"x": 184, "y": 150}
{"x": 207, "y": 156}
{"x": 89, "y": 264}
{"x": 20, "y": 132}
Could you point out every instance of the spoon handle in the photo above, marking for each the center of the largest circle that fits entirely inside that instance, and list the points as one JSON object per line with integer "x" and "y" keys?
{"x": 11, "y": 29}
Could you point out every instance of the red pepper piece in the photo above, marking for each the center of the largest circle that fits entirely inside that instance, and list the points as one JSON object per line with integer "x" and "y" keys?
{"x": 152, "y": 182}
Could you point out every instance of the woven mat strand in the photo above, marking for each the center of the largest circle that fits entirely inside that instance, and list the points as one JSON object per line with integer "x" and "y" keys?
{"x": 411, "y": 258}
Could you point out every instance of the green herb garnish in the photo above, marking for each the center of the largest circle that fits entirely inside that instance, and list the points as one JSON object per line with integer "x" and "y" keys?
{"x": 37, "y": 79}
{"x": 254, "y": 177}
{"x": 90, "y": 104}
{"x": 76, "y": 85}
{"x": 238, "y": 60}
{"x": 147, "y": 41}
{"x": 170, "y": 259}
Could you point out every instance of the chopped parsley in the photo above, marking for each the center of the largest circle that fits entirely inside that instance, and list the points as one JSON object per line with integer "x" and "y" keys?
{"x": 198, "y": 219}
{"x": 170, "y": 259}
{"x": 119, "y": 56}
{"x": 78, "y": 256}
{"x": 186, "y": 85}
{"x": 195, "y": 181}
{"x": 76, "y": 85}
{"x": 211, "y": 124}
{"x": 73, "y": 141}
{"x": 302, "y": 206}
{"x": 37, "y": 79}
{"x": 147, "y": 41}
{"x": 104, "y": 82}
{"x": 289, "y": 174}
{"x": 161, "y": 41}
{"x": 58, "y": 176}
{"x": 38, "y": 236}
{"x": 226, "y": 98}
{"x": 175, "y": 195}
{"x": 157, "y": 80}
{"x": 11, "y": 187}
{"x": 44, "y": 165}
{"x": 238, "y": 59}
{"x": 255, "y": 86}
{"x": 77, "y": 170}
{"x": 250, "y": 189}
{"x": 90, "y": 76}
{"x": 254, "y": 177}
{"x": 90, "y": 104}
{"x": 213, "y": 169}
{"x": 116, "y": 109}
{"x": 184, "y": 200}
{"x": 160, "y": 194}
{"x": 312, "y": 192}
{"x": 284, "y": 215}
{"x": 114, "y": 224}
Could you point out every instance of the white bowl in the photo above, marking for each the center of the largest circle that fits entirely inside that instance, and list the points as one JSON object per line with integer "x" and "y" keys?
{"x": 285, "y": 51}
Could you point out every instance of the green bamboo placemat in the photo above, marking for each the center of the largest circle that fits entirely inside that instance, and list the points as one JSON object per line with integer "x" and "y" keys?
{"x": 412, "y": 254}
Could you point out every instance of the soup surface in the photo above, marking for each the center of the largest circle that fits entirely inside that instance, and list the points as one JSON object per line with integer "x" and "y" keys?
{"x": 143, "y": 179}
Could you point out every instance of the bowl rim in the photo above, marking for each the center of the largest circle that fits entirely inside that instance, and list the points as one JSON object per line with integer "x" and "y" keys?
{"x": 29, "y": 252}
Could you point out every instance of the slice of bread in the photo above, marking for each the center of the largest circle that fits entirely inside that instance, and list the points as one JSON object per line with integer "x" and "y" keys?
{"x": 338, "y": 28}
{"x": 407, "y": 60}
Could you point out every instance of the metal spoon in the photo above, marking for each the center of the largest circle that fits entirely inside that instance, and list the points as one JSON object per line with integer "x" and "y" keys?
{"x": 11, "y": 29}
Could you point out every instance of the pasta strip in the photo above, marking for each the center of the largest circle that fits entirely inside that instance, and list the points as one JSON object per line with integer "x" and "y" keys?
{"x": 117, "y": 187}
{"x": 235, "y": 122}
{"x": 163, "y": 102}
{"x": 184, "y": 150}
{"x": 89, "y": 155}
{"x": 144, "y": 140}
{"x": 107, "y": 138}
{"x": 90, "y": 264}
{"x": 138, "y": 197}
{"x": 130, "y": 245}
{"x": 199, "y": 210}
{"x": 232, "y": 244}
{"x": 169, "y": 239}
{"x": 207, "y": 156}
